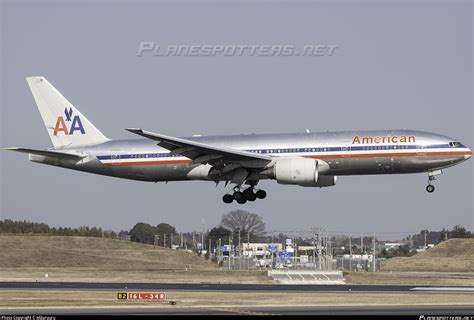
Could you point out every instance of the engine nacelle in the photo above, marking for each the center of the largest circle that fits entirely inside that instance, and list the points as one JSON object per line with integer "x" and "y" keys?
{"x": 302, "y": 172}
{"x": 326, "y": 181}
{"x": 299, "y": 171}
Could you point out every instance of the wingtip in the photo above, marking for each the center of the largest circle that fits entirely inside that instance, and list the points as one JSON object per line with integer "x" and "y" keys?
{"x": 134, "y": 129}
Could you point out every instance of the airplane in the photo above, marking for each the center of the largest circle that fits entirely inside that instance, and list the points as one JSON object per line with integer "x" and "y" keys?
{"x": 302, "y": 159}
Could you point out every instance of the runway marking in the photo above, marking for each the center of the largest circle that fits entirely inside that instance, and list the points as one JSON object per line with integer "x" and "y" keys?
{"x": 242, "y": 312}
{"x": 466, "y": 289}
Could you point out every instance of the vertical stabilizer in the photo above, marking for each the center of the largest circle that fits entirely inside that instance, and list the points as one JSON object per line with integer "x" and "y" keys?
{"x": 66, "y": 126}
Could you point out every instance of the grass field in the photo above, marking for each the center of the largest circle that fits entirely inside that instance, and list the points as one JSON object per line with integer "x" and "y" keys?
{"x": 31, "y": 257}
{"x": 51, "y": 298}
{"x": 410, "y": 278}
{"x": 454, "y": 255}
{"x": 74, "y": 252}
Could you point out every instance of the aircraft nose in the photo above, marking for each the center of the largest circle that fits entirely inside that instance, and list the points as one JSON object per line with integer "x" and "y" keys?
{"x": 468, "y": 155}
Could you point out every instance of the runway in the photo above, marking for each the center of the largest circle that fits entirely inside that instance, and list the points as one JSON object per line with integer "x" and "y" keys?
{"x": 359, "y": 307}
{"x": 229, "y": 287}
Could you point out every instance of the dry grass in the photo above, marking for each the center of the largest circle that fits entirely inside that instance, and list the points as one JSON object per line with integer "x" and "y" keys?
{"x": 30, "y": 257}
{"x": 57, "y": 251}
{"x": 150, "y": 275}
{"x": 454, "y": 255}
{"x": 407, "y": 278}
{"x": 37, "y": 298}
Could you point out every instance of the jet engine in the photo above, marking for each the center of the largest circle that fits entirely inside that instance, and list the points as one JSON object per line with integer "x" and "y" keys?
{"x": 300, "y": 171}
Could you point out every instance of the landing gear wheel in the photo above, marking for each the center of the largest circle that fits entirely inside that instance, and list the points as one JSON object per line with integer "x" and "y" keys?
{"x": 249, "y": 195}
{"x": 228, "y": 198}
{"x": 260, "y": 194}
{"x": 238, "y": 196}
{"x": 430, "y": 188}
{"x": 241, "y": 200}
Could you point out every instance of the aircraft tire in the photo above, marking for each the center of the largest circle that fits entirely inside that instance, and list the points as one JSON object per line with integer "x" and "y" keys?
{"x": 241, "y": 200}
{"x": 238, "y": 195}
{"x": 430, "y": 188}
{"x": 260, "y": 194}
{"x": 228, "y": 198}
{"x": 249, "y": 195}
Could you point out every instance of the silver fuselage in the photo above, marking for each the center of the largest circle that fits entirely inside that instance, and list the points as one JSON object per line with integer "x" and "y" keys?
{"x": 345, "y": 153}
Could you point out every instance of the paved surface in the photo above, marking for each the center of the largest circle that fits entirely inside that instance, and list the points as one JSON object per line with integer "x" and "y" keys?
{"x": 353, "y": 310}
{"x": 228, "y": 287}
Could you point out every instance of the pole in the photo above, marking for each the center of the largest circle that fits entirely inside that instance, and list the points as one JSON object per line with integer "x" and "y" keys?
{"x": 164, "y": 240}
{"x": 171, "y": 240}
{"x": 350, "y": 252}
{"x": 425, "y": 239}
{"x": 314, "y": 248}
{"x": 240, "y": 249}
{"x": 327, "y": 255}
{"x": 319, "y": 248}
{"x": 361, "y": 245}
{"x": 374, "y": 252}
{"x": 296, "y": 249}
{"x": 230, "y": 250}
{"x": 219, "y": 250}
{"x": 203, "y": 223}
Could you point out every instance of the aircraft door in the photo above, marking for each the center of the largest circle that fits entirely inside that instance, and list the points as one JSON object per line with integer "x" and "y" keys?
{"x": 421, "y": 150}
{"x": 346, "y": 152}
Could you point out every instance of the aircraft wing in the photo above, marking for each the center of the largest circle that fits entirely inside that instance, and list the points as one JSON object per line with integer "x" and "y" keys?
{"x": 205, "y": 153}
{"x": 49, "y": 153}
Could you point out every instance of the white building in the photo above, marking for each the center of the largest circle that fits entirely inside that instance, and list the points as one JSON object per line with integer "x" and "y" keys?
{"x": 259, "y": 250}
{"x": 392, "y": 245}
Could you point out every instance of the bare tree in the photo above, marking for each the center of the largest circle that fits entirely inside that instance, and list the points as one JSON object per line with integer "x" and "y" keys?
{"x": 248, "y": 223}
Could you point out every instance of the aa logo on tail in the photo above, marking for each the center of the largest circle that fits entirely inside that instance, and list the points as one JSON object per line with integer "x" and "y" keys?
{"x": 61, "y": 126}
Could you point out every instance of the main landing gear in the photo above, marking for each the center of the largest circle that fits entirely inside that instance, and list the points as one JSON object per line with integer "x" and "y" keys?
{"x": 243, "y": 196}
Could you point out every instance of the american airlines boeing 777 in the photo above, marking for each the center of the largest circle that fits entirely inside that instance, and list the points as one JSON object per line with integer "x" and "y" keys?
{"x": 302, "y": 159}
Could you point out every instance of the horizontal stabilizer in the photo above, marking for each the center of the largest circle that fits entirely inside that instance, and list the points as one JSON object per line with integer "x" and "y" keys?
{"x": 49, "y": 153}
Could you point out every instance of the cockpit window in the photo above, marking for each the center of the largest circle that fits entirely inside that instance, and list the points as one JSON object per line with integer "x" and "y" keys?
{"x": 454, "y": 144}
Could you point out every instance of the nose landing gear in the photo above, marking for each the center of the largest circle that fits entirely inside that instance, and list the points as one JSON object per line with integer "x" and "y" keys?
{"x": 431, "y": 177}
{"x": 430, "y": 188}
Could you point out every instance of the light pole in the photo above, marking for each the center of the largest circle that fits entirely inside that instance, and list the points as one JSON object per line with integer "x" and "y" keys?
{"x": 350, "y": 252}
{"x": 203, "y": 222}
{"x": 239, "y": 243}
{"x": 374, "y": 251}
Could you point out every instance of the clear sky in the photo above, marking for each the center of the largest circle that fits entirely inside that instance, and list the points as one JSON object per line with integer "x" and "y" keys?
{"x": 397, "y": 65}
